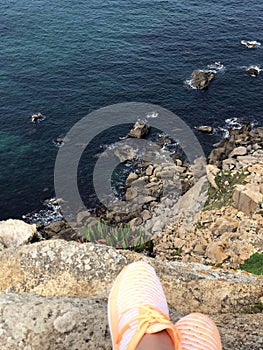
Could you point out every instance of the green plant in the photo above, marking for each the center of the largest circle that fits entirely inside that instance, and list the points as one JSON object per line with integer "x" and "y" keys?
{"x": 225, "y": 181}
{"x": 254, "y": 264}
{"x": 254, "y": 309}
{"x": 120, "y": 237}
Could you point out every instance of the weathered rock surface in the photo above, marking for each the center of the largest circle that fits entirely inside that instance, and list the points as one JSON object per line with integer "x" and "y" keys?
{"x": 220, "y": 236}
{"x": 32, "y": 322}
{"x": 204, "y": 128}
{"x": 139, "y": 130}
{"x": 201, "y": 79}
{"x": 57, "y": 267}
{"x": 14, "y": 233}
{"x": 74, "y": 281}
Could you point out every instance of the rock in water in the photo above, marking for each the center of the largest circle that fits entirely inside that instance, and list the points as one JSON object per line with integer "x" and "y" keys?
{"x": 139, "y": 130}
{"x": 253, "y": 71}
{"x": 201, "y": 79}
{"x": 204, "y": 128}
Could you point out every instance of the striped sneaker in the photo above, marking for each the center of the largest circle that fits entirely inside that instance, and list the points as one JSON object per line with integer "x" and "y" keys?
{"x": 198, "y": 332}
{"x": 137, "y": 306}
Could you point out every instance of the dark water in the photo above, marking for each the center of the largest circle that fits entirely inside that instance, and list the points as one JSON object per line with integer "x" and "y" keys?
{"x": 68, "y": 58}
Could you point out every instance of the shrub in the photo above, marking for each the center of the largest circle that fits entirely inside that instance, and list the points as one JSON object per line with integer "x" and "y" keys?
{"x": 120, "y": 237}
{"x": 254, "y": 264}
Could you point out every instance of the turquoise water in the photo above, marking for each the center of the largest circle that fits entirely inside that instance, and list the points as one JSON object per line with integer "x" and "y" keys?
{"x": 68, "y": 58}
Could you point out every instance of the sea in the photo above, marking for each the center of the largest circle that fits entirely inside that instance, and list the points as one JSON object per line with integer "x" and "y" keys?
{"x": 68, "y": 58}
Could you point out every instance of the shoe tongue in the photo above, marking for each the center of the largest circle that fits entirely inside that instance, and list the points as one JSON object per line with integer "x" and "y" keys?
{"x": 158, "y": 327}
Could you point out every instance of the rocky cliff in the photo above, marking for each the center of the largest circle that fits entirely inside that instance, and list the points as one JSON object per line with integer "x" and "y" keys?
{"x": 54, "y": 289}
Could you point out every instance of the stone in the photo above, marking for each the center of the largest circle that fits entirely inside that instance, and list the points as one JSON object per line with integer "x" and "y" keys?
{"x": 201, "y": 79}
{"x": 131, "y": 193}
{"x": 204, "y": 128}
{"x": 247, "y": 198}
{"x": 14, "y": 233}
{"x": 82, "y": 216}
{"x": 131, "y": 177}
{"x": 178, "y": 243}
{"x": 238, "y": 151}
{"x": 62, "y": 230}
{"x": 215, "y": 253}
{"x": 149, "y": 170}
{"x": 228, "y": 164}
{"x": 139, "y": 130}
{"x": 180, "y": 169}
{"x": 135, "y": 222}
{"x": 212, "y": 171}
{"x": 29, "y": 322}
{"x": 146, "y": 215}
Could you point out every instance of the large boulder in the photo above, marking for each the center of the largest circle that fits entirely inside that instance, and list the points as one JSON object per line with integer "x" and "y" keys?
{"x": 201, "y": 79}
{"x": 57, "y": 267}
{"x": 247, "y": 197}
{"x": 73, "y": 282}
{"x": 14, "y": 233}
{"x": 31, "y": 321}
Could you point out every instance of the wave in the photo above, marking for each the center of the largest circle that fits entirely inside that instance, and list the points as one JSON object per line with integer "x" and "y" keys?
{"x": 46, "y": 216}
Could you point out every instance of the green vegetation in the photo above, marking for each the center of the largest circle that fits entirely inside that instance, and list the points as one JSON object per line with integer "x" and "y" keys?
{"x": 176, "y": 253}
{"x": 120, "y": 237}
{"x": 254, "y": 309}
{"x": 225, "y": 180}
{"x": 254, "y": 264}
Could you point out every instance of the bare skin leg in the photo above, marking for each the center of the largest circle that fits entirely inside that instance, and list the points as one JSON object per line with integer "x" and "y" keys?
{"x": 157, "y": 341}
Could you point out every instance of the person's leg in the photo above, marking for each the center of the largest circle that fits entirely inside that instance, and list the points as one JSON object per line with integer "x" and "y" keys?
{"x": 139, "y": 318}
{"x": 138, "y": 313}
{"x": 157, "y": 341}
{"x": 198, "y": 331}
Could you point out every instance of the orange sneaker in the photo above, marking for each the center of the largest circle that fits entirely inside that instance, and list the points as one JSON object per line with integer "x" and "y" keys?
{"x": 198, "y": 331}
{"x": 137, "y": 306}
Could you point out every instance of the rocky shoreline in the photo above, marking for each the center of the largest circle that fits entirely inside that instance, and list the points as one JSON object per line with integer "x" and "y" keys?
{"x": 203, "y": 220}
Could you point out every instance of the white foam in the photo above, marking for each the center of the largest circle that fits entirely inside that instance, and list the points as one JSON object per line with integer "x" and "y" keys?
{"x": 251, "y": 44}
{"x": 152, "y": 115}
{"x": 216, "y": 67}
{"x": 233, "y": 123}
{"x": 188, "y": 82}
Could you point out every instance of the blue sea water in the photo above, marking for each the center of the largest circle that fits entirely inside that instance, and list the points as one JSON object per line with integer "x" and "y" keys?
{"x": 67, "y": 58}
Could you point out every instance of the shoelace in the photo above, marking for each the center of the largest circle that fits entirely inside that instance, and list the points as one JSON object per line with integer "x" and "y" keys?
{"x": 149, "y": 316}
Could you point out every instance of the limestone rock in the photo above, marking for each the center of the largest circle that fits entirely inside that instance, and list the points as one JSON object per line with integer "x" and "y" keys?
{"x": 247, "y": 198}
{"x": 57, "y": 267}
{"x": 131, "y": 177}
{"x": 14, "y": 233}
{"x": 212, "y": 171}
{"x": 31, "y": 321}
{"x": 139, "y": 130}
{"x": 204, "y": 128}
{"x": 215, "y": 253}
{"x": 238, "y": 151}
